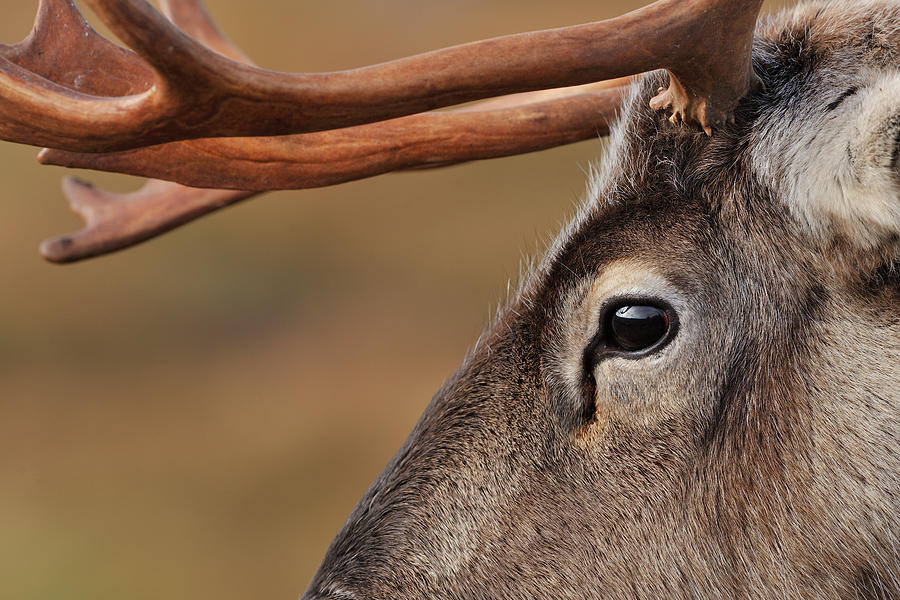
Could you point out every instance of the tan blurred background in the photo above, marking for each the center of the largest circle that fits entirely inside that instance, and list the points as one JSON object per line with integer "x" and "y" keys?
{"x": 195, "y": 417}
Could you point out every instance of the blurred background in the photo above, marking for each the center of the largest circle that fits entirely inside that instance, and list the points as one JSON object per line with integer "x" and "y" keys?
{"x": 195, "y": 417}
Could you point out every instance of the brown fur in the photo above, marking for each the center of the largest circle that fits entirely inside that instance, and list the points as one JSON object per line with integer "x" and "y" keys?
{"x": 756, "y": 455}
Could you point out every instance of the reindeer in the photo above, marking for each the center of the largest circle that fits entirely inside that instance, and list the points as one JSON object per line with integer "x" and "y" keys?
{"x": 694, "y": 394}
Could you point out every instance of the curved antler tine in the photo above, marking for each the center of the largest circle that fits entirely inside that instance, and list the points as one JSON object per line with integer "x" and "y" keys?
{"x": 183, "y": 63}
{"x": 330, "y": 157}
{"x": 39, "y": 112}
{"x": 193, "y": 18}
{"x": 115, "y": 221}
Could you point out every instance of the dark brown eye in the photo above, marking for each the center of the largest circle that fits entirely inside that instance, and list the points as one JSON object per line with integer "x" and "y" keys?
{"x": 637, "y": 327}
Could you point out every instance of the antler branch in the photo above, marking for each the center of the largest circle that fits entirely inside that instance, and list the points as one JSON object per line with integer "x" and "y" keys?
{"x": 116, "y": 221}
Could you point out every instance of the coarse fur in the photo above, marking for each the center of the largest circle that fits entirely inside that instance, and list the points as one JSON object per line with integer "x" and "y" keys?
{"x": 757, "y": 453}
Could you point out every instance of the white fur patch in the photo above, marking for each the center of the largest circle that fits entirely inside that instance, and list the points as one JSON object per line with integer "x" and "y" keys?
{"x": 838, "y": 170}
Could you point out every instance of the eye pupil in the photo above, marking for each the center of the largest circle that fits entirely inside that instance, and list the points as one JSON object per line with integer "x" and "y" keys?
{"x": 638, "y": 327}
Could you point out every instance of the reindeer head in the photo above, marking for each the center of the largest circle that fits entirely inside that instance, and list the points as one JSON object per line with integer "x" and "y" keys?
{"x": 696, "y": 393}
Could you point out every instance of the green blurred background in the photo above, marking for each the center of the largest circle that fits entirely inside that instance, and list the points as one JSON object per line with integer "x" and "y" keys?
{"x": 195, "y": 417}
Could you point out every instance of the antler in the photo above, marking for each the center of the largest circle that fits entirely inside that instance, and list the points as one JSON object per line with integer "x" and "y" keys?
{"x": 116, "y": 221}
{"x": 67, "y": 88}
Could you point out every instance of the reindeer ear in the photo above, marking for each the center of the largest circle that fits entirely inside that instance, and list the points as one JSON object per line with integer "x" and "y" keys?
{"x": 873, "y": 157}
{"x": 849, "y": 185}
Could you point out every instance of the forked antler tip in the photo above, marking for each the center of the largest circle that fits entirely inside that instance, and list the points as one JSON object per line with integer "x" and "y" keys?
{"x": 115, "y": 221}
{"x": 85, "y": 200}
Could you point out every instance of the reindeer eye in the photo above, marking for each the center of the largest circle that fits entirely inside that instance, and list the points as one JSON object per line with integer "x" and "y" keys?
{"x": 637, "y": 327}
